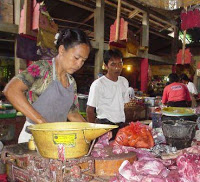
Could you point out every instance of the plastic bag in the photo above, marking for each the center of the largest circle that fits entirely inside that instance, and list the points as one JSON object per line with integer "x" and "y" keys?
{"x": 135, "y": 135}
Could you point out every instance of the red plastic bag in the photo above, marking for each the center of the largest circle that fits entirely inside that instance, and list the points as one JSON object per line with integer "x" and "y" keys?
{"x": 135, "y": 135}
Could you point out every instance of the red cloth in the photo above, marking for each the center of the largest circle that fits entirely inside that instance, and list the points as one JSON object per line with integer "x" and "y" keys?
{"x": 190, "y": 19}
{"x": 144, "y": 74}
{"x": 175, "y": 92}
{"x": 123, "y": 31}
{"x": 187, "y": 59}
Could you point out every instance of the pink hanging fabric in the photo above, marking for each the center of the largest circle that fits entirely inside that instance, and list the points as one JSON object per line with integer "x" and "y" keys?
{"x": 190, "y": 19}
{"x": 123, "y": 33}
{"x": 187, "y": 59}
{"x": 36, "y": 14}
{"x": 22, "y": 22}
{"x": 144, "y": 74}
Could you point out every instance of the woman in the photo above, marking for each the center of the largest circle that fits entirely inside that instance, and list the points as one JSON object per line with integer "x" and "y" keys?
{"x": 51, "y": 90}
{"x": 176, "y": 94}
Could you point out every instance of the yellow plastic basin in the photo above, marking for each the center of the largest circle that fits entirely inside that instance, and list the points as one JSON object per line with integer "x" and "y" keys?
{"x": 177, "y": 111}
{"x": 63, "y": 140}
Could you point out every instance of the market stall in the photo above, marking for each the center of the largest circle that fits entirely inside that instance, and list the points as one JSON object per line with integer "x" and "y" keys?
{"x": 135, "y": 145}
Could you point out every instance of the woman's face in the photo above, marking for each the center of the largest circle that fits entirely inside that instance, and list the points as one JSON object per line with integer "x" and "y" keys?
{"x": 73, "y": 58}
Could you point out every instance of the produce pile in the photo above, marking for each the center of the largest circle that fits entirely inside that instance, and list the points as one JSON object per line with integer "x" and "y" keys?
{"x": 134, "y": 102}
{"x": 135, "y": 135}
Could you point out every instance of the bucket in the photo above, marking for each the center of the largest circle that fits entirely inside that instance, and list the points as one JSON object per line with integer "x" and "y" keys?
{"x": 82, "y": 99}
{"x": 156, "y": 120}
{"x": 65, "y": 140}
{"x": 179, "y": 133}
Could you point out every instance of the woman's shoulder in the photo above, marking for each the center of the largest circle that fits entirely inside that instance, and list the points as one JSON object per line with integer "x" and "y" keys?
{"x": 44, "y": 63}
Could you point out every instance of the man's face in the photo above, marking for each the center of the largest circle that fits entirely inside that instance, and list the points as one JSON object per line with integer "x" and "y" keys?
{"x": 114, "y": 66}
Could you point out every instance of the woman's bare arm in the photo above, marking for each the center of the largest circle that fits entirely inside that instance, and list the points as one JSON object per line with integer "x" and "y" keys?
{"x": 15, "y": 93}
{"x": 75, "y": 117}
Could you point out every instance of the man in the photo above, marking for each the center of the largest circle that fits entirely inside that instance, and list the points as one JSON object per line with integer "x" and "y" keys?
{"x": 131, "y": 92}
{"x": 109, "y": 93}
{"x": 191, "y": 87}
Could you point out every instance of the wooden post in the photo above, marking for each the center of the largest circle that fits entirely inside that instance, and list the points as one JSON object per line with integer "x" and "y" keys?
{"x": 118, "y": 21}
{"x": 145, "y": 30}
{"x": 183, "y": 47}
{"x": 145, "y": 45}
{"x": 174, "y": 48}
{"x": 99, "y": 35}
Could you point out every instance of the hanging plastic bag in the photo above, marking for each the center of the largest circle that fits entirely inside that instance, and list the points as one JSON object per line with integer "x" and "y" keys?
{"x": 135, "y": 135}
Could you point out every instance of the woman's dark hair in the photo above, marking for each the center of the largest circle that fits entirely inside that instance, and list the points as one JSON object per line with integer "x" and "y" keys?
{"x": 184, "y": 77}
{"x": 112, "y": 53}
{"x": 72, "y": 37}
{"x": 173, "y": 77}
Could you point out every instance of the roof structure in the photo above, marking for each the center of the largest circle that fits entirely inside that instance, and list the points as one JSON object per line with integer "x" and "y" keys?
{"x": 80, "y": 14}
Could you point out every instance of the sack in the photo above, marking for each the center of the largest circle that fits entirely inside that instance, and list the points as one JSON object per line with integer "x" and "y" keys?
{"x": 27, "y": 48}
{"x": 135, "y": 135}
{"x": 42, "y": 19}
{"x": 46, "y": 53}
{"x": 46, "y": 39}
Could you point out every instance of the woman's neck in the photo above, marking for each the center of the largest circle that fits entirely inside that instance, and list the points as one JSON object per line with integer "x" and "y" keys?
{"x": 59, "y": 69}
{"x": 61, "y": 74}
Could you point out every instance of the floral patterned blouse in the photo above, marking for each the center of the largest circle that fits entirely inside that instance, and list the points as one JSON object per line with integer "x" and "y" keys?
{"x": 38, "y": 76}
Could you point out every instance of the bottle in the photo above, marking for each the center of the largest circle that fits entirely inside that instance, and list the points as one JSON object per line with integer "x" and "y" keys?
{"x": 31, "y": 144}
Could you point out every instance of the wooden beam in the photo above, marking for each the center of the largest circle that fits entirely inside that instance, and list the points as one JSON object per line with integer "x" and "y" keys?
{"x": 166, "y": 60}
{"x": 114, "y": 5}
{"x": 10, "y": 28}
{"x": 129, "y": 12}
{"x": 78, "y": 5}
{"x": 133, "y": 13}
{"x": 95, "y": 45}
{"x": 152, "y": 13}
{"x": 99, "y": 35}
{"x": 6, "y": 40}
{"x": 88, "y": 18}
{"x": 73, "y": 22}
{"x": 112, "y": 17}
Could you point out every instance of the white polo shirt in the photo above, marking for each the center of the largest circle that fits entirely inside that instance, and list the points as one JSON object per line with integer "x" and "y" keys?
{"x": 108, "y": 97}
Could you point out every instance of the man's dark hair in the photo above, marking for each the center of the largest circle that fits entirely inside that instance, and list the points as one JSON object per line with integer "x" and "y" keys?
{"x": 173, "y": 77}
{"x": 112, "y": 53}
{"x": 184, "y": 77}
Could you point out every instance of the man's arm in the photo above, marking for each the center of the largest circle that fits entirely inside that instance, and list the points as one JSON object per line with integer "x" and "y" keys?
{"x": 90, "y": 114}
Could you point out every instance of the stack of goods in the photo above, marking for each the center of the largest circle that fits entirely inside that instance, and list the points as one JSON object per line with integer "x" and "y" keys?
{"x": 134, "y": 110}
{"x": 7, "y": 111}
